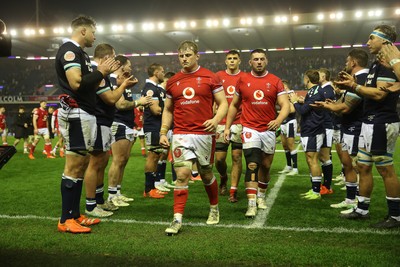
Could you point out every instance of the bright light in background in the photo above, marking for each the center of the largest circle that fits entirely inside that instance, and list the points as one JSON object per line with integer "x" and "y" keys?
{"x": 41, "y": 31}
{"x": 99, "y": 28}
{"x": 332, "y": 16}
{"x": 278, "y": 19}
{"x": 378, "y": 13}
{"x": 249, "y": 21}
{"x": 161, "y": 25}
{"x": 226, "y": 22}
{"x": 295, "y": 18}
{"x": 371, "y": 13}
{"x": 69, "y": 29}
{"x": 215, "y": 23}
{"x": 180, "y": 24}
{"x": 129, "y": 27}
{"x": 358, "y": 14}
{"x": 243, "y": 21}
{"x": 339, "y": 15}
{"x": 13, "y": 32}
{"x": 320, "y": 16}
{"x": 148, "y": 26}
{"x": 260, "y": 20}
{"x": 284, "y": 19}
{"x": 397, "y": 12}
{"x": 193, "y": 24}
{"x": 209, "y": 23}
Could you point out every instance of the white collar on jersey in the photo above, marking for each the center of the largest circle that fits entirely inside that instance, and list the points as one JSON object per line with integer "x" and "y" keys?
{"x": 326, "y": 84}
{"x": 361, "y": 72}
{"x": 65, "y": 40}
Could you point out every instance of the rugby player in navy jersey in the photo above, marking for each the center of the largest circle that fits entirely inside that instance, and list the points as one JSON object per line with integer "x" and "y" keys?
{"x": 151, "y": 127}
{"x": 350, "y": 109}
{"x": 79, "y": 84}
{"x": 379, "y": 132}
{"x": 325, "y": 152}
{"x": 104, "y": 112}
{"x": 122, "y": 133}
{"x": 311, "y": 129}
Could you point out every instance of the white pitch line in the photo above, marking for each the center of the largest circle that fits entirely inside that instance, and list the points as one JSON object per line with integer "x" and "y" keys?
{"x": 336, "y": 230}
{"x": 262, "y": 215}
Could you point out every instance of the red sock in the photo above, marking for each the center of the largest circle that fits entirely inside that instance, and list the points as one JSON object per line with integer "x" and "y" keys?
{"x": 212, "y": 192}
{"x": 180, "y": 199}
{"x": 32, "y": 149}
{"x": 232, "y": 190}
{"x": 262, "y": 185}
{"x": 251, "y": 191}
{"x": 47, "y": 148}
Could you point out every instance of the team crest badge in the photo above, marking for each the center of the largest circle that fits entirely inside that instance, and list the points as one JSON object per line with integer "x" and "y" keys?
{"x": 69, "y": 56}
{"x": 177, "y": 152}
{"x": 149, "y": 93}
{"x": 247, "y": 135}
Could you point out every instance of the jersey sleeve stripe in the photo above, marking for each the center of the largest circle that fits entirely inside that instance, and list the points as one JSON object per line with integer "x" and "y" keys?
{"x": 385, "y": 79}
{"x": 72, "y": 65}
{"x": 282, "y": 93}
{"x": 216, "y": 90}
{"x": 99, "y": 92}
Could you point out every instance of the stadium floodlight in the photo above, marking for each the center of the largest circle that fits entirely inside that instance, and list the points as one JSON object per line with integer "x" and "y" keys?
{"x": 193, "y": 24}
{"x": 69, "y": 29}
{"x": 332, "y": 15}
{"x": 320, "y": 16}
{"x": 161, "y": 25}
{"x": 145, "y": 54}
{"x": 357, "y": 45}
{"x": 284, "y": 19}
{"x": 13, "y": 32}
{"x": 278, "y": 19}
{"x": 114, "y": 27}
{"x": 100, "y": 28}
{"x": 295, "y": 18}
{"x": 226, "y": 22}
{"x": 378, "y": 13}
{"x": 209, "y": 52}
{"x": 243, "y": 21}
{"x": 148, "y": 26}
{"x": 159, "y": 54}
{"x": 358, "y": 14}
{"x": 129, "y": 27}
{"x": 215, "y": 23}
{"x": 260, "y": 20}
{"x": 41, "y": 31}
{"x": 249, "y": 21}
{"x": 339, "y": 15}
{"x": 28, "y": 32}
{"x": 61, "y": 30}
{"x": 371, "y": 13}
{"x": 55, "y": 30}
{"x": 397, "y": 11}
{"x": 209, "y": 23}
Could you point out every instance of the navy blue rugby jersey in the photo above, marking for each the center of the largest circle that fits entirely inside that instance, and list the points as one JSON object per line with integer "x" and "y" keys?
{"x": 71, "y": 55}
{"x": 151, "y": 122}
{"x": 104, "y": 113}
{"x": 329, "y": 93}
{"x": 383, "y": 111}
{"x": 311, "y": 122}
{"x": 126, "y": 117}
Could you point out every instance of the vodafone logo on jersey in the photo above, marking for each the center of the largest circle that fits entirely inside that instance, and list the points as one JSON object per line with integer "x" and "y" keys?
{"x": 231, "y": 89}
{"x": 188, "y": 93}
{"x": 258, "y": 95}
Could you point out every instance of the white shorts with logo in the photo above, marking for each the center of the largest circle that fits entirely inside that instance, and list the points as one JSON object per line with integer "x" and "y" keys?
{"x": 193, "y": 146}
{"x": 43, "y": 132}
{"x": 312, "y": 143}
{"x": 262, "y": 140}
{"x": 103, "y": 138}
{"x": 120, "y": 132}
{"x": 289, "y": 129}
{"x": 78, "y": 129}
{"x": 379, "y": 139}
{"x": 350, "y": 144}
{"x": 337, "y": 136}
{"x": 138, "y": 133}
{"x": 235, "y": 136}
{"x": 328, "y": 138}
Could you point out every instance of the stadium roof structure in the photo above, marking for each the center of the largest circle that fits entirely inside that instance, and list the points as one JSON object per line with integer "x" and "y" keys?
{"x": 215, "y": 35}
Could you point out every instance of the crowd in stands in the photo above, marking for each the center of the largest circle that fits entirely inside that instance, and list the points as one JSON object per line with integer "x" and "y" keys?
{"x": 21, "y": 77}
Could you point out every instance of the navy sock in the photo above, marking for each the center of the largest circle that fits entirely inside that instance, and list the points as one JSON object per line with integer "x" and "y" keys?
{"x": 100, "y": 194}
{"x": 288, "y": 158}
{"x": 294, "y": 160}
{"x": 67, "y": 199}
{"x": 316, "y": 184}
{"x": 327, "y": 170}
{"x": 161, "y": 167}
{"x": 351, "y": 190}
{"x": 149, "y": 181}
{"x": 77, "y": 199}
{"x": 393, "y": 206}
{"x": 90, "y": 203}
